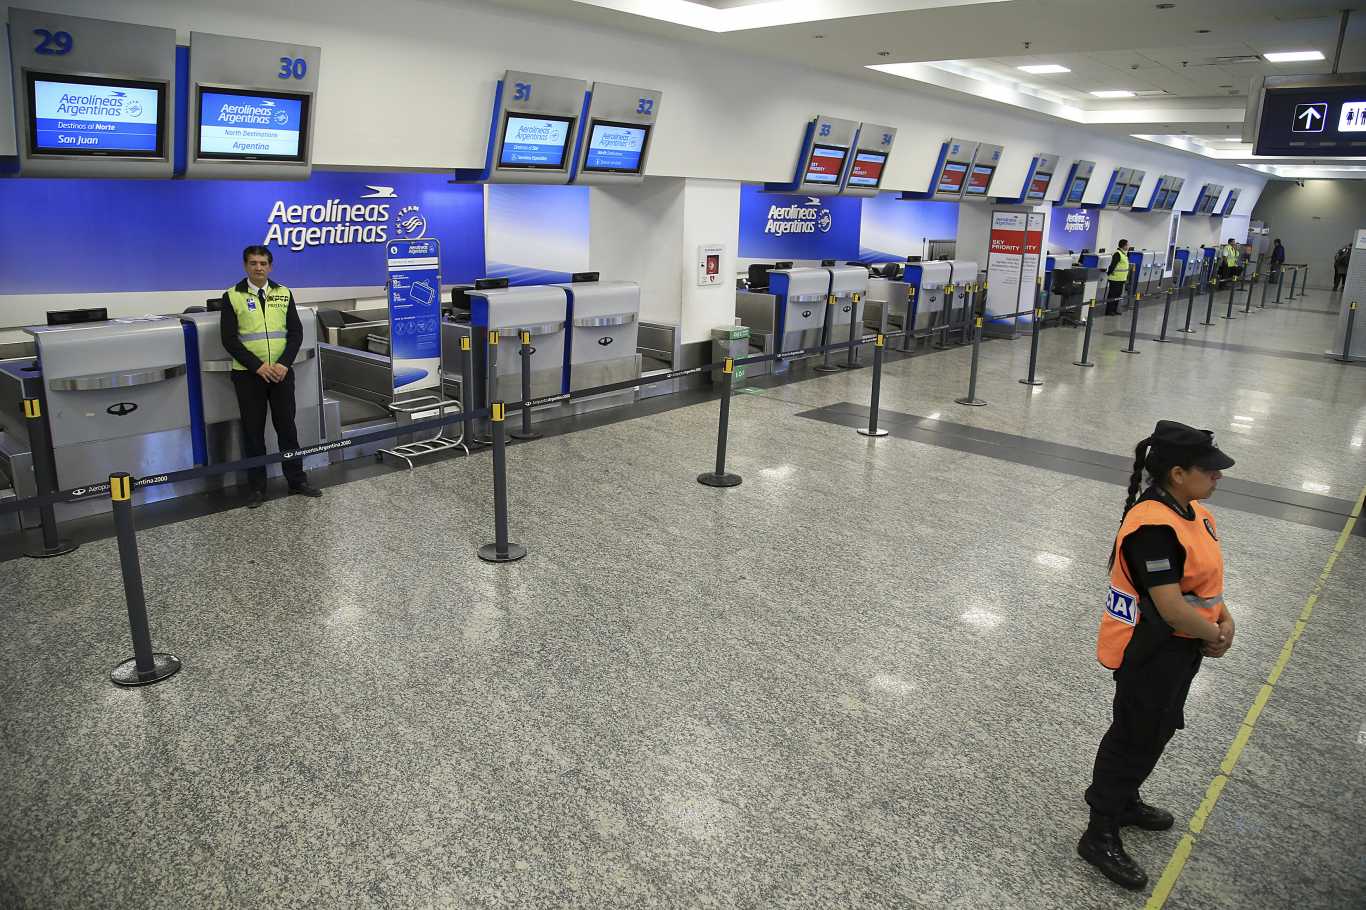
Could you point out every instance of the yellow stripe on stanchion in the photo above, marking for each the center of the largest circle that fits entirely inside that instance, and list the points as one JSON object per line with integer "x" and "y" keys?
{"x": 33, "y": 408}
{"x": 728, "y": 366}
{"x": 493, "y": 336}
{"x": 464, "y": 342}
{"x": 526, "y": 337}
{"x": 1038, "y": 314}
{"x": 121, "y": 488}
{"x": 881, "y": 340}
{"x": 830, "y": 300}
{"x": 979, "y": 322}
{"x": 857, "y": 297}
{"x": 499, "y": 411}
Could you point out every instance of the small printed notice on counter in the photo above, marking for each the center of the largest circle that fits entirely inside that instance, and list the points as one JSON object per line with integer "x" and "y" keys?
{"x": 415, "y": 313}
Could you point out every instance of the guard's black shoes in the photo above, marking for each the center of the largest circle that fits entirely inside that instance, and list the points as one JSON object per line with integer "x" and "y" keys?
{"x": 1149, "y": 818}
{"x": 255, "y": 499}
{"x": 1102, "y": 848}
{"x": 305, "y": 489}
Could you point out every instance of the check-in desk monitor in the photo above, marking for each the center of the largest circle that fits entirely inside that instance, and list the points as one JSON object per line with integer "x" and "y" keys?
{"x": 979, "y": 180}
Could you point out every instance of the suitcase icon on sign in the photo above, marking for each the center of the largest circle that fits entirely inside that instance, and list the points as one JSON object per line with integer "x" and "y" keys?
{"x": 421, "y": 293}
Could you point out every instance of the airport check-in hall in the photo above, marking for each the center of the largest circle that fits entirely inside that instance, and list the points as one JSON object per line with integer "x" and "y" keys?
{"x": 620, "y": 454}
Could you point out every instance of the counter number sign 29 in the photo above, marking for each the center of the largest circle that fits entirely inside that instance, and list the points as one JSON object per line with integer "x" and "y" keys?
{"x": 53, "y": 44}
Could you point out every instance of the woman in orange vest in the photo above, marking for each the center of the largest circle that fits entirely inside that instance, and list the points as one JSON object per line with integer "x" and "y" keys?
{"x": 1164, "y": 614}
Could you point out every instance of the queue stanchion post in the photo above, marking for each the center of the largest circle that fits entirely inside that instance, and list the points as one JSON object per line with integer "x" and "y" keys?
{"x": 1133, "y": 326}
{"x": 526, "y": 432}
{"x": 491, "y": 384}
{"x": 719, "y": 477}
{"x": 1346, "y": 356}
{"x": 145, "y": 666}
{"x": 467, "y": 390}
{"x": 1232, "y": 290}
{"x": 1209, "y": 303}
{"x": 1086, "y": 337}
{"x": 1266, "y": 286}
{"x": 855, "y": 333}
{"x": 1294, "y": 276}
{"x": 1166, "y": 313}
{"x": 971, "y": 399}
{"x": 908, "y": 326}
{"x": 1190, "y": 309}
{"x": 1247, "y": 304}
{"x": 500, "y": 550}
{"x": 1032, "y": 379}
{"x": 872, "y": 430}
{"x": 49, "y": 543}
{"x": 827, "y": 364}
{"x": 1280, "y": 284}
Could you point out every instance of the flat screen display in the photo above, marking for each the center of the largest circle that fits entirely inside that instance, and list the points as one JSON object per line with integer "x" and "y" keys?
{"x": 867, "y": 169}
{"x": 1116, "y": 191}
{"x": 535, "y": 141}
{"x": 952, "y": 177}
{"x": 1038, "y": 187}
{"x": 980, "y": 179}
{"x": 1209, "y": 203}
{"x": 826, "y": 164}
{"x": 1160, "y": 200}
{"x": 1130, "y": 194}
{"x": 252, "y": 126}
{"x": 615, "y": 148}
{"x": 1327, "y": 121}
{"x": 1077, "y": 190}
{"x": 87, "y": 115}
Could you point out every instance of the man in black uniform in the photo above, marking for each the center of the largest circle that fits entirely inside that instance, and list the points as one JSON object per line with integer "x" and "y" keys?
{"x": 262, "y": 332}
{"x": 1118, "y": 276}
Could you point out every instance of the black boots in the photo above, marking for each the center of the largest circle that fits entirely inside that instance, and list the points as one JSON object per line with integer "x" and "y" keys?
{"x": 1101, "y": 847}
{"x": 1149, "y": 818}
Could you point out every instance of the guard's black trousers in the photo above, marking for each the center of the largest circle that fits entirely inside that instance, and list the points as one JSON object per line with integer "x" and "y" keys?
{"x": 1113, "y": 293}
{"x": 254, "y": 396}
{"x": 1150, "y": 700}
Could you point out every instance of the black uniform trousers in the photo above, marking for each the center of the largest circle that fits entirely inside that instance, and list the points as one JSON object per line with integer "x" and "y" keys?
{"x": 1339, "y": 281}
{"x": 1150, "y": 699}
{"x": 254, "y": 396}
{"x": 1113, "y": 293}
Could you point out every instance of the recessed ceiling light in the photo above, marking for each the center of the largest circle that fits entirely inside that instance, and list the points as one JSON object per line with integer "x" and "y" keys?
{"x": 884, "y": 53}
{"x": 1293, "y": 56}
{"x": 1165, "y": 5}
{"x": 1120, "y": 93}
{"x": 817, "y": 36}
{"x": 1043, "y": 69}
{"x": 1202, "y": 31}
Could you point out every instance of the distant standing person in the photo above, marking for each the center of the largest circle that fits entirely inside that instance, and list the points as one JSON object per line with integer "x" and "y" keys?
{"x": 262, "y": 332}
{"x": 1118, "y": 276}
{"x": 1340, "y": 260}
{"x": 1229, "y": 253}
{"x": 1277, "y": 259}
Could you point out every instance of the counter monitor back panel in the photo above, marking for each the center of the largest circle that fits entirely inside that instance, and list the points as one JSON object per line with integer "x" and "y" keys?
{"x": 95, "y": 116}
{"x": 825, "y": 165}
{"x": 244, "y": 125}
{"x": 1077, "y": 190}
{"x": 1038, "y": 187}
{"x": 616, "y": 148}
{"x": 867, "y": 168}
{"x": 980, "y": 180}
{"x": 1130, "y": 194}
{"x": 952, "y": 177}
{"x": 535, "y": 142}
{"x": 1116, "y": 192}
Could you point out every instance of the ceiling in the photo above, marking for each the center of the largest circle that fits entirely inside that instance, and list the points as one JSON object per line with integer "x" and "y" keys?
{"x": 1177, "y": 57}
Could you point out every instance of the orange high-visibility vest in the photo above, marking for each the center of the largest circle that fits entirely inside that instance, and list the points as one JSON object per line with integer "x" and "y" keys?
{"x": 1202, "y": 581}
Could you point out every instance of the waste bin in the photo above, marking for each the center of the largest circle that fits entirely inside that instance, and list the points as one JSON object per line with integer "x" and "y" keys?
{"x": 730, "y": 341}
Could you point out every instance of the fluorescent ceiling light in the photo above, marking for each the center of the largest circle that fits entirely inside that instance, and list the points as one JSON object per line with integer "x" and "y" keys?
{"x": 1120, "y": 93}
{"x": 1293, "y": 56}
{"x": 1043, "y": 69}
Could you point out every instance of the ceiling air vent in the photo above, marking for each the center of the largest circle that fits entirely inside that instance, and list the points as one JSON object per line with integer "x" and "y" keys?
{"x": 1151, "y": 93}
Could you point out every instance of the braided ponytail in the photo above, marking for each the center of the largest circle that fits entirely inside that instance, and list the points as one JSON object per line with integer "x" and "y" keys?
{"x": 1135, "y": 483}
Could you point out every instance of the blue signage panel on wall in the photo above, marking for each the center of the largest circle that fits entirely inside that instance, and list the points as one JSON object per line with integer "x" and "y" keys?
{"x": 777, "y": 226}
{"x": 1072, "y": 229}
{"x": 159, "y": 235}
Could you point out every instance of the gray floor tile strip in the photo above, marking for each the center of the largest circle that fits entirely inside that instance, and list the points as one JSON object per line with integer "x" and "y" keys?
{"x": 1259, "y": 499}
{"x": 1237, "y": 348}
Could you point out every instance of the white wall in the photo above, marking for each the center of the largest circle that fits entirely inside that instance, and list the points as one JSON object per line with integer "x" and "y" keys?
{"x": 1314, "y": 221}
{"x": 637, "y": 235}
{"x": 1143, "y": 230}
{"x": 711, "y": 215}
{"x": 386, "y": 67}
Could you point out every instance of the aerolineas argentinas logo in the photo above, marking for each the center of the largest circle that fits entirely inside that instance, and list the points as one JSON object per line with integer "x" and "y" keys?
{"x": 301, "y": 227}
{"x": 799, "y": 218}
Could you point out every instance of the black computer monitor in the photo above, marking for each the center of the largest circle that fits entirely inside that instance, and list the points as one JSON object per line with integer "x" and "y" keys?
{"x": 758, "y": 275}
{"x": 75, "y": 317}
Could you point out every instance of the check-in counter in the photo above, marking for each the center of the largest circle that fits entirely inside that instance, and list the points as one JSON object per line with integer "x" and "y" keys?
{"x": 849, "y": 287}
{"x": 965, "y": 274}
{"x": 539, "y": 309}
{"x": 790, "y": 316}
{"x": 117, "y": 399}
{"x": 604, "y": 330}
{"x": 216, "y": 427}
{"x": 928, "y": 280}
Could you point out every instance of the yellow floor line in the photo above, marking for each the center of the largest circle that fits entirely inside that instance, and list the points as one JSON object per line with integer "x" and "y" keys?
{"x": 1163, "y": 889}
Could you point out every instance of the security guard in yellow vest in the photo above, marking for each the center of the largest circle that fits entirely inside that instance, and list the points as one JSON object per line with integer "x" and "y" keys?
{"x": 1165, "y": 612}
{"x": 1230, "y": 257}
{"x": 262, "y": 333}
{"x": 1118, "y": 273}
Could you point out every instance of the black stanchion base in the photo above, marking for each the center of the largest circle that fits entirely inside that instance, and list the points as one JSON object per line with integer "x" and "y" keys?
{"x": 1162, "y": 340}
{"x": 1130, "y": 351}
{"x": 1031, "y": 382}
{"x": 1082, "y": 363}
{"x": 876, "y": 434}
{"x": 1228, "y": 317}
{"x": 822, "y": 368}
{"x": 712, "y": 479}
{"x": 518, "y": 434}
{"x": 34, "y": 549}
{"x": 1187, "y": 331}
{"x": 489, "y": 553}
{"x": 163, "y": 666}
{"x": 1209, "y": 323}
{"x": 971, "y": 402}
{"x": 846, "y": 365}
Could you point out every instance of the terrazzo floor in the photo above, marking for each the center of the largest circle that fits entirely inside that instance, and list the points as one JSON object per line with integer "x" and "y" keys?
{"x": 863, "y": 678}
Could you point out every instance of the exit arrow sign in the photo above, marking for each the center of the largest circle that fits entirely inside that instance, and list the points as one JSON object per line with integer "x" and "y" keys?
{"x": 1310, "y": 118}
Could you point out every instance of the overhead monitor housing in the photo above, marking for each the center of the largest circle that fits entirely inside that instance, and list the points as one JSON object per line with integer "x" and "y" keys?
{"x": 1130, "y": 195}
{"x": 251, "y": 108}
{"x": 92, "y": 98}
{"x": 1039, "y": 178}
{"x": 868, "y": 163}
{"x": 955, "y": 164}
{"x": 1230, "y": 202}
{"x": 824, "y": 158}
{"x": 537, "y": 130}
{"x": 1078, "y": 180}
{"x": 984, "y": 165}
{"x": 618, "y": 131}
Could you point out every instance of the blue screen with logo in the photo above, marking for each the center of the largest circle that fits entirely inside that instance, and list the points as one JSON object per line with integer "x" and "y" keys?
{"x": 1130, "y": 194}
{"x": 92, "y": 116}
{"x": 251, "y": 125}
{"x": 615, "y": 148}
{"x": 1077, "y": 189}
{"x": 535, "y": 142}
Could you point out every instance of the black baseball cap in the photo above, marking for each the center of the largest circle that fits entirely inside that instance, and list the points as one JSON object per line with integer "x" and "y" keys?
{"x": 1184, "y": 443}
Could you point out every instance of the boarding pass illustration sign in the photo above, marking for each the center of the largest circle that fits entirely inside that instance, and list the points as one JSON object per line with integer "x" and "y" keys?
{"x": 415, "y": 313}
